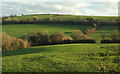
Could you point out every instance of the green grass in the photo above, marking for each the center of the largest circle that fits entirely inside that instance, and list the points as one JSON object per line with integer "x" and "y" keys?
{"x": 61, "y": 58}
{"x": 19, "y": 29}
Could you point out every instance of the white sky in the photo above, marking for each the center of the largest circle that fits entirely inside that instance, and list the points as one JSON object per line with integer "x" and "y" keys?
{"x": 77, "y": 8}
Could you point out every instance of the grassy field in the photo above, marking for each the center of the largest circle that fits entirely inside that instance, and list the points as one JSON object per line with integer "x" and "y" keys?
{"x": 19, "y": 29}
{"x": 62, "y": 58}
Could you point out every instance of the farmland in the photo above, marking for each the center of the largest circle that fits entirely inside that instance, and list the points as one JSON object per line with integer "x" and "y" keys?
{"x": 62, "y": 58}
{"x": 19, "y": 29}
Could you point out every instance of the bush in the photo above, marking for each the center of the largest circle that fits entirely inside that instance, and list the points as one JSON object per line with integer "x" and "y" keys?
{"x": 11, "y": 43}
{"x": 67, "y": 38}
{"x": 35, "y": 18}
{"x": 115, "y": 35}
{"x": 36, "y": 38}
{"x": 56, "y": 37}
{"x": 78, "y": 35}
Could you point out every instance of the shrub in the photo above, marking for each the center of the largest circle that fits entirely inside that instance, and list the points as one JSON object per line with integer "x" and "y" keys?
{"x": 7, "y": 19}
{"x": 67, "y": 38}
{"x": 35, "y": 18}
{"x": 78, "y": 35}
{"x": 56, "y": 37}
{"x": 115, "y": 35}
{"x": 11, "y": 43}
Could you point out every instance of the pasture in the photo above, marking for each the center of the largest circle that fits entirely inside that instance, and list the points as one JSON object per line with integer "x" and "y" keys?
{"x": 63, "y": 58}
{"x": 19, "y": 29}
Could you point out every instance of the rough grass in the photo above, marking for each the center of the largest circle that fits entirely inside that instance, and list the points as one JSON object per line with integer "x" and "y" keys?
{"x": 62, "y": 58}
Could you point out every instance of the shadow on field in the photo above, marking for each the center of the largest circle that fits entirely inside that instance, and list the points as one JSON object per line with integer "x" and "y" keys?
{"x": 25, "y": 51}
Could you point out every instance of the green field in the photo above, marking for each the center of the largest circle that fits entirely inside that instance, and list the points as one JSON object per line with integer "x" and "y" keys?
{"x": 19, "y": 29}
{"x": 62, "y": 58}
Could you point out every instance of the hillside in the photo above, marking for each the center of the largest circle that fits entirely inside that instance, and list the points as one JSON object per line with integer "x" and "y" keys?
{"x": 62, "y": 58}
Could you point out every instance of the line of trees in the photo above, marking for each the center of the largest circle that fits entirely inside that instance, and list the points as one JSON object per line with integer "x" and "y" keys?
{"x": 42, "y": 38}
{"x": 54, "y": 19}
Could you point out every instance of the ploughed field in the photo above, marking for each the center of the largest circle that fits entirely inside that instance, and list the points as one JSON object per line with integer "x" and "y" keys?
{"x": 62, "y": 58}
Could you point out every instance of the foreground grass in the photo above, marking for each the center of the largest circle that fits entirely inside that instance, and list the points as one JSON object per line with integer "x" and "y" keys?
{"x": 62, "y": 58}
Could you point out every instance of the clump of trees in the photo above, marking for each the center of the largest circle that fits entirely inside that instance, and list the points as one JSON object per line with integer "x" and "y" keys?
{"x": 36, "y": 38}
{"x": 79, "y": 35}
{"x": 56, "y": 37}
{"x": 11, "y": 43}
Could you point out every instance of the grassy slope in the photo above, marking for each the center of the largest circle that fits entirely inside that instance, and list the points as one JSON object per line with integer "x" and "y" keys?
{"x": 60, "y": 58}
{"x": 18, "y": 30}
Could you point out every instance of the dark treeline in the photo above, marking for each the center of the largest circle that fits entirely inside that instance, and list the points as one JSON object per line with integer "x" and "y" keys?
{"x": 59, "y": 22}
{"x": 56, "y": 20}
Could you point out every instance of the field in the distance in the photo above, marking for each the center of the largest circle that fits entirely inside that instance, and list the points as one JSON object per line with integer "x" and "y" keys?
{"x": 62, "y": 58}
{"x": 19, "y": 29}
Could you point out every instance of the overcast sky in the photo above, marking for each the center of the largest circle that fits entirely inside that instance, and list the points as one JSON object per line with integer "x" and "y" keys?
{"x": 77, "y": 8}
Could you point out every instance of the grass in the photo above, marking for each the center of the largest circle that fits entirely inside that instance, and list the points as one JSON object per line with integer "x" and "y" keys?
{"x": 19, "y": 29}
{"x": 62, "y": 58}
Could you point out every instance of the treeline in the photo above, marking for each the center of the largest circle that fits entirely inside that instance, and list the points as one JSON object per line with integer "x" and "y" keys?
{"x": 56, "y": 19}
{"x": 43, "y": 38}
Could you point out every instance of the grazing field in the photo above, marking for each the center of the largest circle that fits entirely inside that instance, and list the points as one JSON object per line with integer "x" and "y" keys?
{"x": 19, "y": 29}
{"x": 63, "y": 58}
